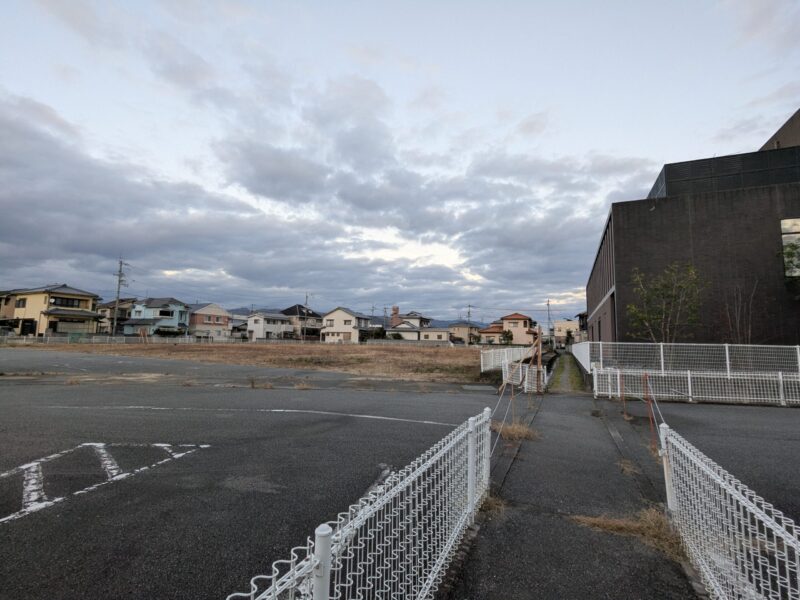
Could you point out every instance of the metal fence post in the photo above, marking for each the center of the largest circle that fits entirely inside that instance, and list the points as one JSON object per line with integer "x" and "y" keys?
{"x": 689, "y": 385}
{"x": 619, "y": 383}
{"x": 472, "y": 450}
{"x": 663, "y": 431}
{"x": 321, "y": 584}
{"x": 797, "y": 349}
{"x": 727, "y": 361}
{"x": 487, "y": 435}
{"x": 594, "y": 381}
{"x": 661, "y": 352}
{"x": 609, "y": 383}
{"x": 781, "y": 394}
{"x": 601, "y": 354}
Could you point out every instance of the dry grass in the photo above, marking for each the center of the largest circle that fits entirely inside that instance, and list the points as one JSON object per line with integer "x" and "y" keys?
{"x": 303, "y": 386}
{"x": 457, "y": 365}
{"x": 649, "y": 525}
{"x": 627, "y": 467}
{"x": 72, "y": 381}
{"x": 493, "y": 505}
{"x": 514, "y": 432}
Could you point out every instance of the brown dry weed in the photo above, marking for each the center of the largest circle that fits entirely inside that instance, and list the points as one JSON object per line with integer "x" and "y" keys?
{"x": 514, "y": 432}
{"x": 649, "y": 525}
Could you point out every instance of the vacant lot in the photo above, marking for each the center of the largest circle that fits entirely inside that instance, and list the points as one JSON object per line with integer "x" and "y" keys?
{"x": 457, "y": 365}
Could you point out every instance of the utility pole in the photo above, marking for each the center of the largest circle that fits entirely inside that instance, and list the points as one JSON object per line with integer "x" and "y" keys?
{"x": 469, "y": 324}
{"x": 549, "y": 323}
{"x": 384, "y": 318}
{"x": 120, "y": 282}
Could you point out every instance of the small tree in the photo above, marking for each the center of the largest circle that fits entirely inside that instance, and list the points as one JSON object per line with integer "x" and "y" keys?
{"x": 570, "y": 337}
{"x": 507, "y": 337}
{"x": 667, "y": 304}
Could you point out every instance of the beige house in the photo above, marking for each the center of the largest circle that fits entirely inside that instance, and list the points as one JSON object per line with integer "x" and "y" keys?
{"x": 434, "y": 334}
{"x": 106, "y": 311}
{"x": 521, "y": 328}
{"x": 561, "y": 328}
{"x": 344, "y": 326}
{"x": 467, "y": 332}
{"x": 209, "y": 321}
{"x": 409, "y": 326}
{"x": 52, "y": 309}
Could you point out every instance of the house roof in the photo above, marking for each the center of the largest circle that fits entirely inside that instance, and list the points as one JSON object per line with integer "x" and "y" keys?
{"x": 405, "y": 326}
{"x": 493, "y": 328}
{"x": 463, "y": 324}
{"x": 269, "y": 315}
{"x": 514, "y": 316}
{"x": 298, "y": 310}
{"x": 112, "y": 303}
{"x": 435, "y": 329}
{"x": 158, "y": 302}
{"x": 195, "y": 308}
{"x": 65, "y": 312}
{"x": 62, "y": 288}
{"x": 354, "y": 313}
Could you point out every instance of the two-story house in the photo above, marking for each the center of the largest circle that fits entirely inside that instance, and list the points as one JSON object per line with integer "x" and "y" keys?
{"x": 307, "y": 324}
{"x": 158, "y": 316}
{"x": 521, "y": 328}
{"x": 263, "y": 325}
{"x": 106, "y": 310}
{"x": 345, "y": 326}
{"x": 407, "y": 326}
{"x": 209, "y": 321}
{"x": 51, "y": 309}
{"x": 465, "y": 332}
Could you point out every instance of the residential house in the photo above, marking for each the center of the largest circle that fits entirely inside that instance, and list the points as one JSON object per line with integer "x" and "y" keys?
{"x": 106, "y": 310}
{"x": 345, "y": 326}
{"x": 407, "y": 326}
{"x": 209, "y": 321}
{"x": 493, "y": 334}
{"x": 6, "y": 312}
{"x": 464, "y": 331}
{"x": 50, "y": 309}
{"x": 562, "y": 328}
{"x": 263, "y": 325}
{"x": 434, "y": 334}
{"x": 307, "y": 324}
{"x": 521, "y": 328}
{"x": 158, "y": 316}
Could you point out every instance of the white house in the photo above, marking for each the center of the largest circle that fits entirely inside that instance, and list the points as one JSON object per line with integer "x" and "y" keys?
{"x": 345, "y": 326}
{"x": 158, "y": 316}
{"x": 434, "y": 334}
{"x": 408, "y": 326}
{"x": 266, "y": 325}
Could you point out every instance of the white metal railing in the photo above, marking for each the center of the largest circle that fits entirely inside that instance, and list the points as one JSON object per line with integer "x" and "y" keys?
{"x": 496, "y": 358}
{"x": 726, "y": 358}
{"x": 738, "y": 388}
{"x": 397, "y": 541}
{"x": 742, "y": 546}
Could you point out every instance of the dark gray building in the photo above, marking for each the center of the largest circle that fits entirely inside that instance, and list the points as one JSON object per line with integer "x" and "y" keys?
{"x": 730, "y": 217}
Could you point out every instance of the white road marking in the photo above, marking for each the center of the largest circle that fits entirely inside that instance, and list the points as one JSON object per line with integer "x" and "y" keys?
{"x": 32, "y": 485}
{"x": 107, "y": 461}
{"x": 258, "y": 410}
{"x": 34, "y": 498}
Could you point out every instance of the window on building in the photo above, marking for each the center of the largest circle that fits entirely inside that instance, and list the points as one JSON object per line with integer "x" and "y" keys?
{"x": 207, "y": 319}
{"x": 137, "y": 313}
{"x": 218, "y": 319}
{"x": 329, "y": 322}
{"x": 256, "y": 320}
{"x": 790, "y": 233}
{"x": 69, "y": 302}
{"x": 438, "y": 336}
{"x": 513, "y": 323}
{"x": 348, "y": 321}
{"x": 426, "y": 336}
{"x": 20, "y": 303}
{"x": 165, "y": 313}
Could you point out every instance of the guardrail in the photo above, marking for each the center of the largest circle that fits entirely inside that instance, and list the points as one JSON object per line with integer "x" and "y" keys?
{"x": 397, "y": 541}
{"x": 741, "y": 545}
{"x": 737, "y": 388}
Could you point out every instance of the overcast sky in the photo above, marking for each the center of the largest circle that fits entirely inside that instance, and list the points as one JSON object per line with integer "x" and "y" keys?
{"x": 429, "y": 154}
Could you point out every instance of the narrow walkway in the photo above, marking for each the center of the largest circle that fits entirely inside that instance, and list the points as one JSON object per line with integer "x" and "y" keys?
{"x": 534, "y": 549}
{"x": 567, "y": 377}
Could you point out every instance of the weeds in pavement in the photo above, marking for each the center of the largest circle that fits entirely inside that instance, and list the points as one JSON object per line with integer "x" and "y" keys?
{"x": 628, "y": 467}
{"x": 514, "y": 432}
{"x": 302, "y": 386}
{"x": 72, "y": 381}
{"x": 493, "y": 506}
{"x": 649, "y": 525}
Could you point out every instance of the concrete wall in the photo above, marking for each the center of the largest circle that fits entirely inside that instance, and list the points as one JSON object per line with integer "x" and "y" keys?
{"x": 732, "y": 238}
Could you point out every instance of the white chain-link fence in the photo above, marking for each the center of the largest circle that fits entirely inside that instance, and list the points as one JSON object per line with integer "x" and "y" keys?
{"x": 706, "y": 358}
{"x": 742, "y": 546}
{"x": 398, "y": 540}
{"x": 496, "y": 358}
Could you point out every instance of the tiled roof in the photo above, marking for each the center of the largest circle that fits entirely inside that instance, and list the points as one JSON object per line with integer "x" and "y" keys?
{"x": 513, "y": 316}
{"x": 156, "y": 302}
{"x": 65, "y": 312}
{"x": 62, "y": 288}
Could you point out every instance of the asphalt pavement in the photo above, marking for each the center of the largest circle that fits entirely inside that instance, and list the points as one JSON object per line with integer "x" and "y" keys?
{"x": 266, "y": 467}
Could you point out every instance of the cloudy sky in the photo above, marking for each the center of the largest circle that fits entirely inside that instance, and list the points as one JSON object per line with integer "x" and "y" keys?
{"x": 430, "y": 154}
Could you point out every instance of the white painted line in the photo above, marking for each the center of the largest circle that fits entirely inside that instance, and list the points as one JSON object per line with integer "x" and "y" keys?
{"x": 107, "y": 461}
{"x": 257, "y": 410}
{"x": 32, "y": 486}
{"x": 34, "y": 498}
